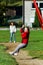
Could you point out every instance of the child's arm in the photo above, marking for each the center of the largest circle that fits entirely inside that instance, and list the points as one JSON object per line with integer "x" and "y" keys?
{"x": 22, "y": 29}
{"x": 10, "y": 27}
{"x": 14, "y": 28}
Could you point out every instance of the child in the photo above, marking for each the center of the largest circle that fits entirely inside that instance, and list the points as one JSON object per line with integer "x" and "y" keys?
{"x": 12, "y": 32}
{"x": 25, "y": 36}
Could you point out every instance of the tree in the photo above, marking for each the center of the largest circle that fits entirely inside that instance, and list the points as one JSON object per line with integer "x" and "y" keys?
{"x": 3, "y": 4}
{"x": 36, "y": 20}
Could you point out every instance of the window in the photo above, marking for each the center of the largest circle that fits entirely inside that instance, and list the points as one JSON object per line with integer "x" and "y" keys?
{"x": 41, "y": 5}
{"x": 33, "y": 5}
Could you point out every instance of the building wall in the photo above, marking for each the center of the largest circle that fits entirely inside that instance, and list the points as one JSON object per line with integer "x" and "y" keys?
{"x": 27, "y": 11}
{"x": 30, "y": 12}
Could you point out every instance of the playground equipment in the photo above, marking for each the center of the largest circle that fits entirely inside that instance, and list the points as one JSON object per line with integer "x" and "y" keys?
{"x": 39, "y": 14}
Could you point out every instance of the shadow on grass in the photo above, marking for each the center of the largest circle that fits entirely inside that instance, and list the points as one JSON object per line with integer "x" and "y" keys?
{"x": 30, "y": 58}
{"x": 36, "y": 57}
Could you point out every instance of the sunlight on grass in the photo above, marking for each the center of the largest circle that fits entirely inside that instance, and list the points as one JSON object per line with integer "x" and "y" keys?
{"x": 5, "y": 58}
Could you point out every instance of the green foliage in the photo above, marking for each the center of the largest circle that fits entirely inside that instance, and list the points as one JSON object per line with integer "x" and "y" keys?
{"x": 5, "y": 23}
{"x": 36, "y": 21}
{"x": 3, "y": 4}
{"x": 20, "y": 23}
{"x": 11, "y": 2}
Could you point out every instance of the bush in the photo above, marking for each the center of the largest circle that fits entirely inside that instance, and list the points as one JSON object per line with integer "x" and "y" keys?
{"x": 36, "y": 21}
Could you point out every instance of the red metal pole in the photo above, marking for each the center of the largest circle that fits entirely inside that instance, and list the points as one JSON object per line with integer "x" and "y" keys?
{"x": 38, "y": 13}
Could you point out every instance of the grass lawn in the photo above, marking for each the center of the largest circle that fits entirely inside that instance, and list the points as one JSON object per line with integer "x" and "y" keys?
{"x": 6, "y": 59}
{"x": 5, "y": 36}
{"x": 35, "y": 45}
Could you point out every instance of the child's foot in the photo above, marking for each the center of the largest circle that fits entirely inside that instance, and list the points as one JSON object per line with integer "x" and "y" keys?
{"x": 11, "y": 53}
{"x": 15, "y": 54}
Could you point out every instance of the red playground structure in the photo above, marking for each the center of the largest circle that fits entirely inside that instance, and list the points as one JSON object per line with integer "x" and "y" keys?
{"x": 39, "y": 15}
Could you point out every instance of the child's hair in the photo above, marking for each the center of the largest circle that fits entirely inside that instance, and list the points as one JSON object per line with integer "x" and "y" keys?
{"x": 28, "y": 28}
{"x": 11, "y": 22}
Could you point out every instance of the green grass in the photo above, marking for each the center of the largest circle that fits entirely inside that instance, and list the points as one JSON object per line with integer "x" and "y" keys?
{"x": 5, "y": 36}
{"x": 6, "y": 59}
{"x": 35, "y": 45}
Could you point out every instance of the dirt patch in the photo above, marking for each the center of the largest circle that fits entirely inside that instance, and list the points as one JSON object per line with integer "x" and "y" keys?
{"x": 22, "y": 58}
